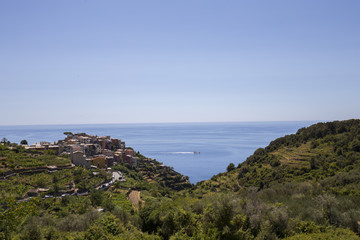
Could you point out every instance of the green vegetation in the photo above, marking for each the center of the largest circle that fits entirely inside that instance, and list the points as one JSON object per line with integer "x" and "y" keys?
{"x": 325, "y": 153}
{"x": 230, "y": 167}
{"x": 157, "y": 173}
{"x": 301, "y": 186}
{"x": 313, "y": 175}
{"x": 17, "y": 158}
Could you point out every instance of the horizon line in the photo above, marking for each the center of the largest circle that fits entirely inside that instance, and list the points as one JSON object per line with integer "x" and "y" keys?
{"x": 190, "y": 122}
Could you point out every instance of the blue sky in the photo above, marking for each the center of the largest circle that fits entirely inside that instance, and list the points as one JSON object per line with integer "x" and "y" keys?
{"x": 70, "y": 62}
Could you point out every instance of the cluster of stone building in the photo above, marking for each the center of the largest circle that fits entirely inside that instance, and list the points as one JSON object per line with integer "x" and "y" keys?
{"x": 91, "y": 151}
{"x": 43, "y": 146}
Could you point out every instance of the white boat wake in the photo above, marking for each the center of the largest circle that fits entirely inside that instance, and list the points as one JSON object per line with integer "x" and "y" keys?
{"x": 195, "y": 152}
{"x": 181, "y": 152}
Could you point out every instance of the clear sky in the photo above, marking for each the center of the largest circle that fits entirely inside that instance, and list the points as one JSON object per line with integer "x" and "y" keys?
{"x": 112, "y": 61}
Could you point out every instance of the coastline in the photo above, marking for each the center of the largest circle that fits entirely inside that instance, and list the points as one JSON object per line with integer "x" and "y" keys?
{"x": 219, "y": 143}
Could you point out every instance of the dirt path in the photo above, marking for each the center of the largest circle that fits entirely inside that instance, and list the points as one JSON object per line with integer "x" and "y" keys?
{"x": 134, "y": 197}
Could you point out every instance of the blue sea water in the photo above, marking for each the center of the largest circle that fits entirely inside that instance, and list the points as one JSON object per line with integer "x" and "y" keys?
{"x": 174, "y": 143}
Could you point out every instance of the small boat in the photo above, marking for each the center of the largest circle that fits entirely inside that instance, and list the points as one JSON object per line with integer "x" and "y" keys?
{"x": 196, "y": 152}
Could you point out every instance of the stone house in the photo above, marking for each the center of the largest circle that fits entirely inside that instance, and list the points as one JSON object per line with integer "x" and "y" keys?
{"x": 99, "y": 161}
{"x": 79, "y": 159}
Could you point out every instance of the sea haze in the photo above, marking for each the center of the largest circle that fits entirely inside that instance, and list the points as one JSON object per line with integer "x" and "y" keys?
{"x": 174, "y": 144}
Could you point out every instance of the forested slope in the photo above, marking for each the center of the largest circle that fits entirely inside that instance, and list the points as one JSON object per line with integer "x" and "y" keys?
{"x": 326, "y": 153}
{"x": 312, "y": 176}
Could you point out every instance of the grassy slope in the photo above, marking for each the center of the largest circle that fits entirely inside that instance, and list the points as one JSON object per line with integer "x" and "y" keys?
{"x": 326, "y": 153}
{"x": 313, "y": 176}
{"x": 19, "y": 158}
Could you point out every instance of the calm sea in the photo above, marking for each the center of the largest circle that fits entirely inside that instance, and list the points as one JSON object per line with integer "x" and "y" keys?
{"x": 174, "y": 143}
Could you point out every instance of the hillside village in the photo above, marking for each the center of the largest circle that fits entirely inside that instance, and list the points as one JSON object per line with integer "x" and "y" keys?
{"x": 90, "y": 151}
{"x": 95, "y": 154}
{"x": 79, "y": 165}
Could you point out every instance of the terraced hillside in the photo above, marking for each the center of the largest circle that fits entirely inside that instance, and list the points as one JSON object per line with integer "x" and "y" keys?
{"x": 326, "y": 153}
{"x": 301, "y": 186}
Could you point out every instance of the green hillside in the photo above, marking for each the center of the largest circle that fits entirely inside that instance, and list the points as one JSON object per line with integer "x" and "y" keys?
{"x": 311, "y": 178}
{"x": 301, "y": 186}
{"x": 325, "y": 153}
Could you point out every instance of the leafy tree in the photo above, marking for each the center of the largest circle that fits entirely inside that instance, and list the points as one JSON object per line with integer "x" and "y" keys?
{"x": 230, "y": 167}
{"x": 5, "y": 141}
{"x": 279, "y": 219}
{"x": 312, "y": 163}
{"x": 56, "y": 188}
{"x": 108, "y": 204}
{"x": 111, "y": 224}
{"x": 95, "y": 233}
{"x": 55, "y": 179}
{"x": 24, "y": 142}
{"x": 96, "y": 197}
{"x": 31, "y": 232}
{"x": 275, "y": 162}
